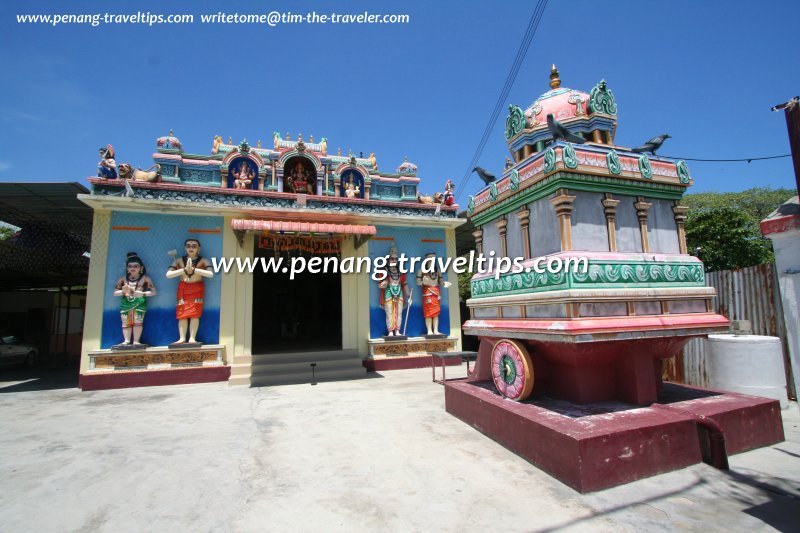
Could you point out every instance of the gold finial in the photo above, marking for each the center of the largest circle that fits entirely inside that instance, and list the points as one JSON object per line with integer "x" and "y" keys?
{"x": 299, "y": 137}
{"x": 288, "y": 137}
{"x": 230, "y": 139}
{"x": 555, "y": 81}
{"x": 338, "y": 151}
{"x": 170, "y": 132}
{"x": 311, "y": 139}
{"x": 258, "y": 144}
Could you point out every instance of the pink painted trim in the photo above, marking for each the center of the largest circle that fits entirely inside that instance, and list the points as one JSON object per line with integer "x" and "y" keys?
{"x": 780, "y": 224}
{"x": 268, "y": 194}
{"x": 596, "y": 325}
{"x": 302, "y": 227}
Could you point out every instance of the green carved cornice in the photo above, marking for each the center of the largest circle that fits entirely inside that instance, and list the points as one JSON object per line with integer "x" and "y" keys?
{"x": 515, "y": 122}
{"x": 613, "y": 162}
{"x": 569, "y": 156}
{"x": 601, "y": 274}
{"x": 683, "y": 171}
{"x": 471, "y": 205}
{"x": 493, "y": 191}
{"x": 644, "y": 167}
{"x": 601, "y": 99}
{"x": 549, "y": 160}
{"x": 578, "y": 182}
{"x": 513, "y": 181}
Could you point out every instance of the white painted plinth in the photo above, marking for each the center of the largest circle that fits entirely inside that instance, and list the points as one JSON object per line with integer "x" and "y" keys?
{"x": 748, "y": 364}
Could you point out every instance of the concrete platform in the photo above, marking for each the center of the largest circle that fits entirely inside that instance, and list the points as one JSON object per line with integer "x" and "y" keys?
{"x": 375, "y": 454}
{"x": 596, "y": 446}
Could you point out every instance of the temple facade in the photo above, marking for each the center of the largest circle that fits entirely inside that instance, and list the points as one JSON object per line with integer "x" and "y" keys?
{"x": 161, "y": 310}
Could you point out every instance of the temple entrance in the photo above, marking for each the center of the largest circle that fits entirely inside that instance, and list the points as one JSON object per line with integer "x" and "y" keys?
{"x": 296, "y": 315}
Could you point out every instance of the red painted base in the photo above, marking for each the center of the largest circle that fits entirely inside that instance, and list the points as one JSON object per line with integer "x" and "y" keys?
{"x": 403, "y": 363}
{"x": 152, "y": 378}
{"x": 597, "y": 446}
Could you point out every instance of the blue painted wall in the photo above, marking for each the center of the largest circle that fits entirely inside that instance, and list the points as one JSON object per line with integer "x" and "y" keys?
{"x": 409, "y": 241}
{"x": 164, "y": 233}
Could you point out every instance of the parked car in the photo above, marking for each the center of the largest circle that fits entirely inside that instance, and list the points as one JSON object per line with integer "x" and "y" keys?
{"x": 14, "y": 352}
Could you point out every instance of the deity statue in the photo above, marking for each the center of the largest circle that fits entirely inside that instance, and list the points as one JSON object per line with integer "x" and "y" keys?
{"x": 107, "y": 166}
{"x": 191, "y": 268}
{"x": 351, "y": 190}
{"x": 429, "y": 278}
{"x": 393, "y": 293}
{"x": 448, "y": 198}
{"x": 244, "y": 177}
{"x": 299, "y": 180}
{"x": 134, "y": 288}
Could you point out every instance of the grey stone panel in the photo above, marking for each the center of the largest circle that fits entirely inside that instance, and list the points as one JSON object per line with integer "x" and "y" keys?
{"x": 512, "y": 311}
{"x": 629, "y": 238}
{"x": 484, "y": 312}
{"x": 603, "y": 309}
{"x": 514, "y": 237}
{"x": 687, "y": 306}
{"x": 545, "y": 237}
{"x": 491, "y": 239}
{"x": 589, "y": 230}
{"x": 546, "y": 311}
{"x": 662, "y": 232}
{"x": 647, "y": 308}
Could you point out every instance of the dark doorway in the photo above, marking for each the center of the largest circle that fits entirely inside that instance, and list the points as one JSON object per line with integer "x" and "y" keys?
{"x": 296, "y": 315}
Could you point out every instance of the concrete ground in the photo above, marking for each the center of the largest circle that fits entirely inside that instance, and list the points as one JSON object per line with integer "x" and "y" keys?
{"x": 373, "y": 454}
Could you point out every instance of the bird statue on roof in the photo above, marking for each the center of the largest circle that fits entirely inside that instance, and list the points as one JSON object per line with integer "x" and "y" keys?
{"x": 560, "y": 131}
{"x": 652, "y": 145}
{"x": 485, "y": 175}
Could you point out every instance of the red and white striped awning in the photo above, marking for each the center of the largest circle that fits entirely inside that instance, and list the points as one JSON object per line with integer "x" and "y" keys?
{"x": 240, "y": 224}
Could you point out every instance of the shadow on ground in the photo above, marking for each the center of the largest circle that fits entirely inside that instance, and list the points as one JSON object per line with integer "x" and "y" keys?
{"x": 39, "y": 378}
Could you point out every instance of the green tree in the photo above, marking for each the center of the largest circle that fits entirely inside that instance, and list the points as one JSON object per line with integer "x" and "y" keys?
{"x": 723, "y": 229}
{"x": 723, "y": 239}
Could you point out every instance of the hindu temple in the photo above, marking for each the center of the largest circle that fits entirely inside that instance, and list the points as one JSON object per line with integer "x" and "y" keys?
{"x": 579, "y": 350}
{"x": 161, "y": 309}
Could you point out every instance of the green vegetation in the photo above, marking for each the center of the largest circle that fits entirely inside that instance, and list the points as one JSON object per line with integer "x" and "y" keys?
{"x": 723, "y": 229}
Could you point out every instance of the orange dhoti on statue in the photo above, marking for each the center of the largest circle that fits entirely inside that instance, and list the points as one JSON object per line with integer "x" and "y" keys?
{"x": 431, "y": 305}
{"x": 190, "y": 300}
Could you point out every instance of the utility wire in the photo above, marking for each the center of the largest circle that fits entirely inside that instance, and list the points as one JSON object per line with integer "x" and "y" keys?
{"x": 748, "y": 159}
{"x": 533, "y": 24}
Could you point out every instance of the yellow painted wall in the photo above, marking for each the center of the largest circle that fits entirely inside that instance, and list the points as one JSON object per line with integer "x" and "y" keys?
{"x": 95, "y": 289}
{"x": 355, "y": 302}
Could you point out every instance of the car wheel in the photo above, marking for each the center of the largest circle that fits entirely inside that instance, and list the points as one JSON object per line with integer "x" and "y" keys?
{"x": 30, "y": 360}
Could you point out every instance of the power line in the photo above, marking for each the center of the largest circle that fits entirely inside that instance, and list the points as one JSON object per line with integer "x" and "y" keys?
{"x": 747, "y": 159}
{"x": 533, "y": 24}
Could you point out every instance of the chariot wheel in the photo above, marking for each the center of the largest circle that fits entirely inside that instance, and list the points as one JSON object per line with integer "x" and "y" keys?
{"x": 512, "y": 370}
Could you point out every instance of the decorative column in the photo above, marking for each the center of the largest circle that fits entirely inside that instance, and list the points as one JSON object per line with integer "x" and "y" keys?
{"x": 274, "y": 175}
{"x": 527, "y": 150}
{"x": 279, "y": 180}
{"x": 524, "y": 223}
{"x": 597, "y": 136}
{"x": 563, "y": 203}
{"x": 501, "y": 229}
{"x": 223, "y": 171}
{"x": 367, "y": 186}
{"x": 325, "y": 191}
{"x": 642, "y": 208}
{"x": 680, "y": 221}
{"x": 610, "y": 209}
{"x": 478, "y": 234}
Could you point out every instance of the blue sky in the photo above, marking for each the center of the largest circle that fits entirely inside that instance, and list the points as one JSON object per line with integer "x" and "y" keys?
{"x": 705, "y": 72}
